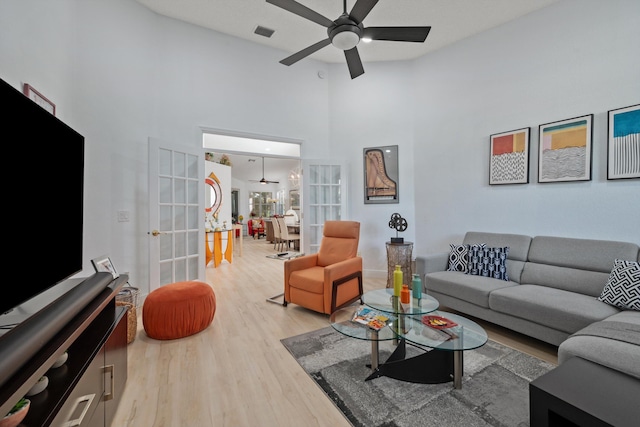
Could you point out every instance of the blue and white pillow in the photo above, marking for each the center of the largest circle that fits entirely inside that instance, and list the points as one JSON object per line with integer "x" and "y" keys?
{"x": 488, "y": 262}
{"x": 622, "y": 290}
{"x": 459, "y": 259}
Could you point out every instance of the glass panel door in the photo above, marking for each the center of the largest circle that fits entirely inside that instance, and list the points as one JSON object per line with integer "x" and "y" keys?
{"x": 324, "y": 199}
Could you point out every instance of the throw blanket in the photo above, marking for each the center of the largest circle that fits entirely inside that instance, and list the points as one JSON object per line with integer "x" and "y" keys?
{"x": 619, "y": 331}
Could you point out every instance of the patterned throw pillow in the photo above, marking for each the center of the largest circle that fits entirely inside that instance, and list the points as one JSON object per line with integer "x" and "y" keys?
{"x": 488, "y": 262}
{"x": 623, "y": 287}
{"x": 458, "y": 259}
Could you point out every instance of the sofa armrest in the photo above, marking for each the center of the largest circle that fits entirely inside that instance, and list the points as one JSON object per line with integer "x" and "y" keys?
{"x": 435, "y": 262}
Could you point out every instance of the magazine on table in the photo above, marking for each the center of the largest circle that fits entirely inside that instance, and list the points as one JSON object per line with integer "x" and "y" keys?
{"x": 372, "y": 318}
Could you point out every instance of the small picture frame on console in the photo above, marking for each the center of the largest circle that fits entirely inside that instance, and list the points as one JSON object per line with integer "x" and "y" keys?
{"x": 104, "y": 264}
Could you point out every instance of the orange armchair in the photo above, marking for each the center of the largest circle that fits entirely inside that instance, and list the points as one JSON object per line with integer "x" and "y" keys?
{"x": 331, "y": 278}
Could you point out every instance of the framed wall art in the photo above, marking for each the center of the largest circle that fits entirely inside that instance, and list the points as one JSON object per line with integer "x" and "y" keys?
{"x": 565, "y": 150}
{"x": 38, "y": 98}
{"x": 623, "y": 143}
{"x": 103, "y": 263}
{"x": 381, "y": 175}
{"x": 509, "y": 157}
{"x": 294, "y": 199}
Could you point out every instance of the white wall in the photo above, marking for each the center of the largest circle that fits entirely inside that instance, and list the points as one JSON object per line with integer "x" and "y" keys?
{"x": 119, "y": 74}
{"x": 574, "y": 58}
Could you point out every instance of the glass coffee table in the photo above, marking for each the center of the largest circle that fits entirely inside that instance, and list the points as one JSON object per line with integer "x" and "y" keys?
{"x": 382, "y": 300}
{"x": 441, "y": 345}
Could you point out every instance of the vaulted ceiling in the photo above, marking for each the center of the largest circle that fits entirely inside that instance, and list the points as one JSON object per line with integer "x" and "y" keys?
{"x": 450, "y": 21}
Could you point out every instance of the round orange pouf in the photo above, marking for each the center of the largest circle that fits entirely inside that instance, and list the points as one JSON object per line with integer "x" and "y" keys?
{"x": 178, "y": 310}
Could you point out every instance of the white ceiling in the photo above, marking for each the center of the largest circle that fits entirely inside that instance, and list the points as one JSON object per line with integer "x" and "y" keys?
{"x": 450, "y": 21}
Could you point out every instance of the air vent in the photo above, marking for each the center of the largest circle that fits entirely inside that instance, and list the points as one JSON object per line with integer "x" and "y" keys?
{"x": 264, "y": 31}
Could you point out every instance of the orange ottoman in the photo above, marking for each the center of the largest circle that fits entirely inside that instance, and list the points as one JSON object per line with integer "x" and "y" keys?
{"x": 178, "y": 310}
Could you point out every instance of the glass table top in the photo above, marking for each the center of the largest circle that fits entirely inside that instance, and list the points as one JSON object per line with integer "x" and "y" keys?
{"x": 465, "y": 335}
{"x": 383, "y": 300}
{"x": 342, "y": 321}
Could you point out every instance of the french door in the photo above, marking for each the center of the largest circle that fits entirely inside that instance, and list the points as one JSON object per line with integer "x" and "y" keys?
{"x": 176, "y": 213}
{"x": 324, "y": 197}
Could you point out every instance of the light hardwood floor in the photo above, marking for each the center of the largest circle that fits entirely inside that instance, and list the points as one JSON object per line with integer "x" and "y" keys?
{"x": 236, "y": 372}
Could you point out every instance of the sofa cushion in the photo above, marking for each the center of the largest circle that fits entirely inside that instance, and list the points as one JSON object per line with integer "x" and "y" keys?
{"x": 623, "y": 287}
{"x": 555, "y": 308}
{"x": 488, "y": 262}
{"x": 568, "y": 279}
{"x": 583, "y": 254}
{"x": 600, "y": 349}
{"x": 473, "y": 289}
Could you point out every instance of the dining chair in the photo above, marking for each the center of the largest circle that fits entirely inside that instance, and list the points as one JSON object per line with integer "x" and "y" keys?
{"x": 277, "y": 236}
{"x": 286, "y": 236}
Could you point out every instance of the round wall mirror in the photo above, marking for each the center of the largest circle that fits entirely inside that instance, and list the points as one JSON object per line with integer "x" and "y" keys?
{"x": 212, "y": 194}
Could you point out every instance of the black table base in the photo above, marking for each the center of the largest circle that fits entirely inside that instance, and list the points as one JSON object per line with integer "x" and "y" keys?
{"x": 430, "y": 367}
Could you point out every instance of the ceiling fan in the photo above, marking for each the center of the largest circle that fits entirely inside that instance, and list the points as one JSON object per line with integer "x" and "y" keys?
{"x": 347, "y": 30}
{"x": 264, "y": 181}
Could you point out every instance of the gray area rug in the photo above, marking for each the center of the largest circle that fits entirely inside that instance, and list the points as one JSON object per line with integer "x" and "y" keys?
{"x": 495, "y": 386}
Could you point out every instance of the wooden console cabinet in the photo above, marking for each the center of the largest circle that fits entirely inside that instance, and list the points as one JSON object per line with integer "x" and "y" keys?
{"x": 86, "y": 390}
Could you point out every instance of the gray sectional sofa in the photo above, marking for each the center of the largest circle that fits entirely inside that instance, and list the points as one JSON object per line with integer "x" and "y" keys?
{"x": 551, "y": 294}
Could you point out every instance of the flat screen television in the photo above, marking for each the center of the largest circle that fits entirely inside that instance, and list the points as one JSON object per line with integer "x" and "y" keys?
{"x": 42, "y": 191}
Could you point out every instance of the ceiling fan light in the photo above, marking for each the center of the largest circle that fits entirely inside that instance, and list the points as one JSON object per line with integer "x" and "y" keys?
{"x": 345, "y": 40}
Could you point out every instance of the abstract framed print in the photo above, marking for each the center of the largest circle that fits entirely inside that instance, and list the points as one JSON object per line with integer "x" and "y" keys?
{"x": 509, "y": 157}
{"x": 565, "y": 149}
{"x": 623, "y": 143}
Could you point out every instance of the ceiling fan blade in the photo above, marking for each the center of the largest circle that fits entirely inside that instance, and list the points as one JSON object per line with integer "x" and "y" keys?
{"x": 303, "y": 11}
{"x": 354, "y": 63}
{"x": 305, "y": 52}
{"x": 361, "y": 9}
{"x": 397, "y": 34}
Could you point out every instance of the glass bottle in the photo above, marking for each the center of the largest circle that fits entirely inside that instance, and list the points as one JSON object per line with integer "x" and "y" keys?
{"x": 405, "y": 295}
{"x": 397, "y": 281}
{"x": 416, "y": 286}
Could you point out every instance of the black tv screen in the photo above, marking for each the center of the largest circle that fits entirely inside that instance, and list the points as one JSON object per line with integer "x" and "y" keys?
{"x": 42, "y": 190}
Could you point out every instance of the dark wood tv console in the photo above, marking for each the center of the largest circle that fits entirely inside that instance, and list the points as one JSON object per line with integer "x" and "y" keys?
{"x": 87, "y": 388}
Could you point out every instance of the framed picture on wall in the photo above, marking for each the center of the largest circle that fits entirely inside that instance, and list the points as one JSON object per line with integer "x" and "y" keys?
{"x": 294, "y": 199}
{"x": 623, "y": 143}
{"x": 381, "y": 175}
{"x": 509, "y": 157}
{"x": 39, "y": 98}
{"x": 103, "y": 263}
{"x": 565, "y": 150}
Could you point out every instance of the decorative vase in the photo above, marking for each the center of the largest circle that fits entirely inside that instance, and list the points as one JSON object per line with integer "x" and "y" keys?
{"x": 38, "y": 387}
{"x": 416, "y": 286}
{"x": 60, "y": 360}
{"x": 405, "y": 296}
{"x": 15, "y": 418}
{"x": 397, "y": 281}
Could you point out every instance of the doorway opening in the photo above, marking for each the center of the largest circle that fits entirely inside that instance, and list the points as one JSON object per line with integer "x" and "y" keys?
{"x": 253, "y": 157}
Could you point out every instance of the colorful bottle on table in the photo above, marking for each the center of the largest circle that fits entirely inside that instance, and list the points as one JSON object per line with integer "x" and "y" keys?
{"x": 397, "y": 281}
{"x": 405, "y": 296}
{"x": 416, "y": 286}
